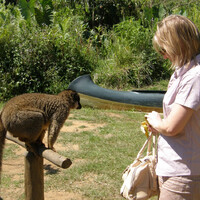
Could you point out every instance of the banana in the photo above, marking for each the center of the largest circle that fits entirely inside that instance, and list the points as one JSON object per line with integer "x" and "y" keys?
{"x": 144, "y": 128}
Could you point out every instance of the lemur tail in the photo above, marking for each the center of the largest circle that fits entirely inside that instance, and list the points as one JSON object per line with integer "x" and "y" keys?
{"x": 2, "y": 142}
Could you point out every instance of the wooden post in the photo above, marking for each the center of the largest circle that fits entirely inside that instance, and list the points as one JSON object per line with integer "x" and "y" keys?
{"x": 34, "y": 173}
{"x": 34, "y": 177}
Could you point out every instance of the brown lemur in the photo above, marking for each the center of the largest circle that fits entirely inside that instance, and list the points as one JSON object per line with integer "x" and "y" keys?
{"x": 28, "y": 116}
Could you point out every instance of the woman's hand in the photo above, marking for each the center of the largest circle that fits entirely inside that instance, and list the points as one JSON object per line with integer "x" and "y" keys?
{"x": 153, "y": 119}
{"x": 173, "y": 124}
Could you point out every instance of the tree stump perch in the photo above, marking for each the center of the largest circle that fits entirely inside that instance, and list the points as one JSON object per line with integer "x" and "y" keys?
{"x": 34, "y": 173}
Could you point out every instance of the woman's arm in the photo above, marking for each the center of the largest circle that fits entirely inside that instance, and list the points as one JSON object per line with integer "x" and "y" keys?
{"x": 174, "y": 123}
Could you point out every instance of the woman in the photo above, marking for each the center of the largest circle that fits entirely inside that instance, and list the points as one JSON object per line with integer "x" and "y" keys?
{"x": 178, "y": 167}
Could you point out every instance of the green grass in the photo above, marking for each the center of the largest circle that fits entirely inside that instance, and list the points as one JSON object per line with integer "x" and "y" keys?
{"x": 102, "y": 155}
{"x": 104, "y": 152}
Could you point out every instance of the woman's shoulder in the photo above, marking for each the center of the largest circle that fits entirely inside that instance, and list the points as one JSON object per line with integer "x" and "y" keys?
{"x": 193, "y": 73}
{"x": 191, "y": 79}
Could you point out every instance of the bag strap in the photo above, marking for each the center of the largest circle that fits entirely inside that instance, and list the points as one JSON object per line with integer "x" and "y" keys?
{"x": 148, "y": 142}
{"x": 154, "y": 153}
{"x": 149, "y": 146}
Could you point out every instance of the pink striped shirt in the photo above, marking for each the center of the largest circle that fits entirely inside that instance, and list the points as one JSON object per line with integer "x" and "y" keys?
{"x": 180, "y": 155}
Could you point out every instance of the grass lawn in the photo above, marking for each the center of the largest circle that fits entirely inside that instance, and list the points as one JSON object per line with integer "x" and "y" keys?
{"x": 100, "y": 143}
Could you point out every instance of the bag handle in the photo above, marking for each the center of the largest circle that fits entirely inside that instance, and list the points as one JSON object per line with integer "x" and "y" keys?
{"x": 154, "y": 147}
{"x": 148, "y": 142}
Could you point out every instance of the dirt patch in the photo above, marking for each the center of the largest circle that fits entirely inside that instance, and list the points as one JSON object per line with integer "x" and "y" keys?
{"x": 13, "y": 167}
{"x": 108, "y": 136}
{"x": 88, "y": 179}
{"x": 114, "y": 115}
{"x": 11, "y": 194}
{"x": 79, "y": 126}
{"x": 50, "y": 195}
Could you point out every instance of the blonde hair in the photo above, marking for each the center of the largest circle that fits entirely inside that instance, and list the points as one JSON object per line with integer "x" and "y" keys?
{"x": 179, "y": 38}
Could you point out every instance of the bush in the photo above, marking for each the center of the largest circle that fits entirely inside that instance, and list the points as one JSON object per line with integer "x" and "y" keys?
{"x": 46, "y": 44}
{"x": 131, "y": 58}
{"x": 35, "y": 59}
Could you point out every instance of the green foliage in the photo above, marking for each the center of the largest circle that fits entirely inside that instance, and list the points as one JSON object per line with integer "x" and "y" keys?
{"x": 131, "y": 59}
{"x": 40, "y": 10}
{"x": 44, "y": 15}
{"x": 35, "y": 59}
{"x": 27, "y": 8}
{"x": 46, "y": 44}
